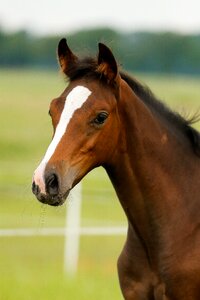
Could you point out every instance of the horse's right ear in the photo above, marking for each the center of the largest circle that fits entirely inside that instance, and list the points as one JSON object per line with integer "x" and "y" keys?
{"x": 65, "y": 56}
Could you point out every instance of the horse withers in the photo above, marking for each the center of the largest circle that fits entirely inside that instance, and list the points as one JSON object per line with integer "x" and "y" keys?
{"x": 106, "y": 118}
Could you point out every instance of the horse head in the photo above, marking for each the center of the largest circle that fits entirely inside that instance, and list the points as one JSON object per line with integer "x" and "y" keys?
{"x": 85, "y": 122}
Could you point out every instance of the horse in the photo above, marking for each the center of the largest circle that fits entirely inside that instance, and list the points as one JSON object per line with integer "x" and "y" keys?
{"x": 151, "y": 154}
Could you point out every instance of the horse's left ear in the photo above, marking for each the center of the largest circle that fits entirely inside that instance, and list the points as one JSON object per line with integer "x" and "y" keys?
{"x": 106, "y": 63}
{"x": 65, "y": 56}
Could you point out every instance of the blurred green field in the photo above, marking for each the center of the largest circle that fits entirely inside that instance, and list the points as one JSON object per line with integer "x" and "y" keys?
{"x": 32, "y": 267}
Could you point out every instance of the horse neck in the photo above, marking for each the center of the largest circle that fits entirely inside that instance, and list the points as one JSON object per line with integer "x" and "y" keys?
{"x": 149, "y": 172}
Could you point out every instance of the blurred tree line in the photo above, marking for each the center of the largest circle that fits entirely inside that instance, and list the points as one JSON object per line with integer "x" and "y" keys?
{"x": 139, "y": 51}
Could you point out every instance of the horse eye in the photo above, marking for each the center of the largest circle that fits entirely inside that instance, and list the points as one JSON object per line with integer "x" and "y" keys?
{"x": 101, "y": 118}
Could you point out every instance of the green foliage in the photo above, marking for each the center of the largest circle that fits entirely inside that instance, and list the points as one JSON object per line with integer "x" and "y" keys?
{"x": 138, "y": 51}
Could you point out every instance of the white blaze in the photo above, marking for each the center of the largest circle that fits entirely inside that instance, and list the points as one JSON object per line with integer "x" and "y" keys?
{"x": 74, "y": 100}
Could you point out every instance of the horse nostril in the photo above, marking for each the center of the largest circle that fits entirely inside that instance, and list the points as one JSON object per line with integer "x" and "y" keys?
{"x": 52, "y": 184}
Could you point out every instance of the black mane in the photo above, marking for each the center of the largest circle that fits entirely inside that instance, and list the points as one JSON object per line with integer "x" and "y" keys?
{"x": 87, "y": 68}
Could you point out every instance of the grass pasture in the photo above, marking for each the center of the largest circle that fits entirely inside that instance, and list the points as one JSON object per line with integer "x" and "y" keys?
{"x": 32, "y": 267}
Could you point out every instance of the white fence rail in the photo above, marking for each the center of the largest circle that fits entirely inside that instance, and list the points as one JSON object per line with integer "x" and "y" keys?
{"x": 57, "y": 231}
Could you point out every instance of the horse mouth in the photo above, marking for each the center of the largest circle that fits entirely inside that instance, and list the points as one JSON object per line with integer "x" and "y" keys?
{"x": 52, "y": 200}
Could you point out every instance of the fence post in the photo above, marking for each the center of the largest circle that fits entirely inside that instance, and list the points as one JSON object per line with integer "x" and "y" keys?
{"x": 72, "y": 231}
